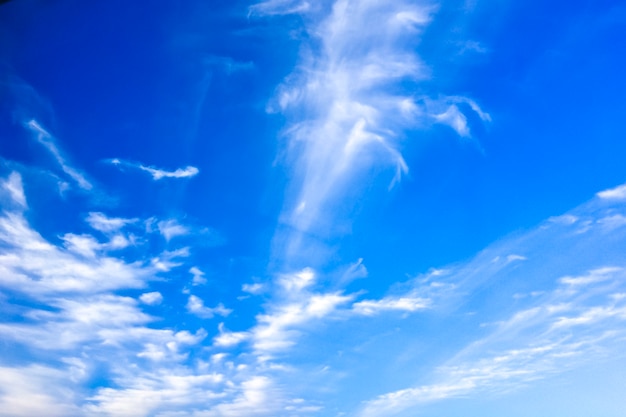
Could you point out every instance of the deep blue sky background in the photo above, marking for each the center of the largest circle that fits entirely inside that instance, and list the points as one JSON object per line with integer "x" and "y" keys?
{"x": 365, "y": 290}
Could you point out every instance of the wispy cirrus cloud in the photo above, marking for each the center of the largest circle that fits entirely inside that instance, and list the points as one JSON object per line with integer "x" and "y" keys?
{"x": 279, "y": 7}
{"x": 101, "y": 222}
{"x": 48, "y": 142}
{"x": 563, "y": 321}
{"x": 156, "y": 173}
{"x": 346, "y": 112}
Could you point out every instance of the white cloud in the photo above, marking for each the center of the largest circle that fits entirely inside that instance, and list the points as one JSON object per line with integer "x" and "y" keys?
{"x": 593, "y": 277}
{"x": 198, "y": 276}
{"x": 354, "y": 271}
{"x": 156, "y": 392}
{"x": 453, "y": 117}
{"x": 32, "y": 265}
{"x": 256, "y": 288}
{"x": 298, "y": 281}
{"x": 165, "y": 261}
{"x": 151, "y": 298}
{"x": 531, "y": 344}
{"x": 84, "y": 245}
{"x": 257, "y": 397}
{"x": 99, "y": 221}
{"x": 47, "y": 141}
{"x": 617, "y": 193}
{"x": 13, "y": 185}
{"x": 196, "y": 306}
{"x": 36, "y": 390}
{"x": 279, "y": 7}
{"x": 355, "y": 116}
{"x": 407, "y": 304}
{"x": 157, "y": 174}
{"x": 612, "y": 221}
{"x": 227, "y": 338}
{"x": 171, "y": 228}
{"x": 277, "y": 330}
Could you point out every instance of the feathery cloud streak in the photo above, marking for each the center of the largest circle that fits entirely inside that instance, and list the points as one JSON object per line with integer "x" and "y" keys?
{"x": 48, "y": 142}
{"x": 345, "y": 103}
{"x": 574, "y": 311}
{"x": 156, "y": 173}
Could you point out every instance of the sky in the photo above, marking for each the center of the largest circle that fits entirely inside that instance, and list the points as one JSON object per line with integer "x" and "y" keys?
{"x": 352, "y": 208}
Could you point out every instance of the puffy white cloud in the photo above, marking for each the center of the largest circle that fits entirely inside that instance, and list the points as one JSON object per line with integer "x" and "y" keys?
{"x": 617, "y": 193}
{"x": 151, "y": 298}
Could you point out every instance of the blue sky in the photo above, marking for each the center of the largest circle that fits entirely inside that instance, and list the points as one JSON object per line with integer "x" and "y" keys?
{"x": 298, "y": 208}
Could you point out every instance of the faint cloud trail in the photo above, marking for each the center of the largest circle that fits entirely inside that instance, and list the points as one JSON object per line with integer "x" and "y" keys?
{"x": 156, "y": 173}
{"x": 47, "y": 141}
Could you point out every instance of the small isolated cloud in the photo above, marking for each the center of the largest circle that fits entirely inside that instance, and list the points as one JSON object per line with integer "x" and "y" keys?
{"x": 196, "y": 306}
{"x": 198, "y": 276}
{"x": 171, "y": 228}
{"x": 151, "y": 298}
{"x": 186, "y": 172}
{"x": 256, "y": 288}
{"x": 99, "y": 221}
{"x": 356, "y": 270}
{"x": 617, "y": 193}
{"x": 15, "y": 189}
{"x": 157, "y": 174}
{"x": 48, "y": 142}
{"x": 229, "y": 65}
{"x": 279, "y": 7}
